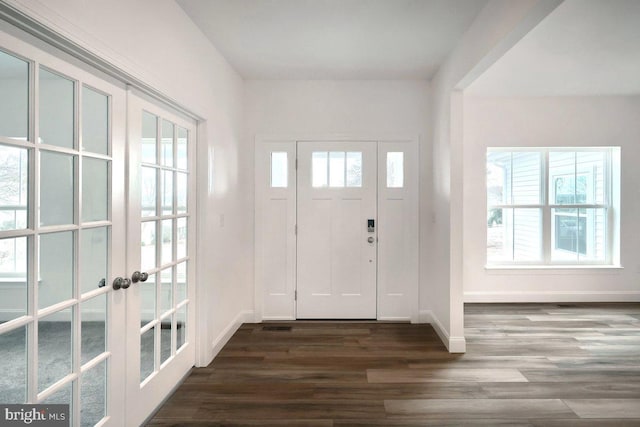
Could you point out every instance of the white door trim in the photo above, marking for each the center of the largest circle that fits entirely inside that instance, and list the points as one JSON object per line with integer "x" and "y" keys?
{"x": 263, "y": 145}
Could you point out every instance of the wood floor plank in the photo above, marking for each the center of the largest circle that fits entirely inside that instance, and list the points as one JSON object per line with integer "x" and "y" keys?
{"x": 408, "y": 376}
{"x": 605, "y": 408}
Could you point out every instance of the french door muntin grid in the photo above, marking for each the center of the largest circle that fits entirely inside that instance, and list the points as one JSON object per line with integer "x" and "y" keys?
{"x": 179, "y": 213}
{"x": 546, "y": 208}
{"x": 71, "y": 307}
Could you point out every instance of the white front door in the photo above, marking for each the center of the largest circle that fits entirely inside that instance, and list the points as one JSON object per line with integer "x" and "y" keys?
{"x": 161, "y": 255}
{"x": 337, "y": 230}
{"x": 62, "y": 229}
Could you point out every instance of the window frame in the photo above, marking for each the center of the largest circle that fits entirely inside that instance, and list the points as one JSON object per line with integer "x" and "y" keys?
{"x": 547, "y": 227}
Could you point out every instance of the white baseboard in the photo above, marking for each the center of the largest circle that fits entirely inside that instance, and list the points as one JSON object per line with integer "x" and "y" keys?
{"x": 455, "y": 344}
{"x": 552, "y": 296}
{"x": 245, "y": 316}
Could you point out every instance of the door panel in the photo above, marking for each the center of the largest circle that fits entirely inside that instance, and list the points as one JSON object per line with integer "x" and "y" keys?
{"x": 336, "y": 264}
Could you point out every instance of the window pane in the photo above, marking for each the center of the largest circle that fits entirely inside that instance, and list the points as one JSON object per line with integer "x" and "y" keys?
{"x": 182, "y": 160}
{"x": 565, "y": 224}
{"x": 149, "y": 137}
{"x": 354, "y": 169}
{"x": 562, "y": 182}
{"x": 336, "y": 169}
{"x": 279, "y": 170}
{"x": 497, "y": 223}
{"x": 14, "y": 184}
{"x": 13, "y": 351}
{"x": 395, "y": 170}
{"x": 167, "y": 143}
{"x": 527, "y": 234}
{"x": 13, "y": 268}
{"x": 498, "y": 178}
{"x": 591, "y": 176}
{"x": 592, "y": 238}
{"x": 57, "y": 173}
{"x": 55, "y": 277}
{"x": 526, "y": 178}
{"x": 95, "y": 189}
{"x": 56, "y": 110}
{"x": 95, "y": 121}
{"x": 14, "y": 93}
{"x": 319, "y": 167}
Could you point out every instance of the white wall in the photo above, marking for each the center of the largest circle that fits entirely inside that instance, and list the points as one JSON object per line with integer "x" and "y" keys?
{"x": 350, "y": 108}
{"x": 542, "y": 122}
{"x": 155, "y": 41}
{"x": 498, "y": 27}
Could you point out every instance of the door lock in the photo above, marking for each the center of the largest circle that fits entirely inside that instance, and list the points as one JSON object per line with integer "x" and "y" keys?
{"x": 139, "y": 277}
{"x": 371, "y": 239}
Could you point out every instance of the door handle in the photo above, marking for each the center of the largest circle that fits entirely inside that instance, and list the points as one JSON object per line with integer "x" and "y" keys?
{"x": 371, "y": 239}
{"x": 139, "y": 277}
{"x": 121, "y": 283}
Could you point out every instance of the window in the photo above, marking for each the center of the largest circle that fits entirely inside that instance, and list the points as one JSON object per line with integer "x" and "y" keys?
{"x": 336, "y": 169}
{"x": 395, "y": 169}
{"x": 551, "y": 205}
{"x": 279, "y": 170}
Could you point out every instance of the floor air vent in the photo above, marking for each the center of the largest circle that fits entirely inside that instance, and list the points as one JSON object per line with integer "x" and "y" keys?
{"x": 277, "y": 328}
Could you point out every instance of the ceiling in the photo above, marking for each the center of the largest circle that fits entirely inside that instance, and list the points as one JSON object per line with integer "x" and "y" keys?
{"x": 584, "y": 47}
{"x": 334, "y": 39}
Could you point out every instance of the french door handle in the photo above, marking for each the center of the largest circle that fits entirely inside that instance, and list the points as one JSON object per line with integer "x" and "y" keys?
{"x": 139, "y": 277}
{"x": 121, "y": 283}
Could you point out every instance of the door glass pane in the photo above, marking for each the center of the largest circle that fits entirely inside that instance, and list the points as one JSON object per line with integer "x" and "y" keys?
{"x": 181, "y": 282}
{"x": 147, "y": 300}
{"x": 56, "y": 188}
{"x": 14, "y": 184}
{"x": 95, "y": 189}
{"x": 93, "y": 399}
{"x": 336, "y": 169}
{"x": 182, "y": 238}
{"x": 94, "y": 244}
{"x": 167, "y": 241}
{"x": 55, "y": 279}
{"x": 13, "y": 353}
{"x": 395, "y": 169}
{"x": 354, "y": 169}
{"x": 182, "y": 191}
{"x": 167, "y": 192}
{"x": 165, "y": 338}
{"x": 148, "y": 245}
{"x": 167, "y": 143}
{"x": 13, "y": 269}
{"x": 93, "y": 314}
{"x": 54, "y": 348}
{"x": 181, "y": 327}
{"x": 279, "y": 170}
{"x": 148, "y": 178}
{"x": 149, "y": 138}
{"x": 166, "y": 290}
{"x": 147, "y": 353}
{"x": 14, "y": 93}
{"x": 60, "y": 397}
{"x": 56, "y": 110}
{"x": 319, "y": 168}
{"x": 95, "y": 121}
{"x": 182, "y": 160}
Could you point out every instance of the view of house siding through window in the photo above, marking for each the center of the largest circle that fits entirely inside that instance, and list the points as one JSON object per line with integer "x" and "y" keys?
{"x": 550, "y": 206}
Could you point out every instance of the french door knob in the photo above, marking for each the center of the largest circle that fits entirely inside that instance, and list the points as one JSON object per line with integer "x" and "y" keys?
{"x": 121, "y": 283}
{"x": 139, "y": 277}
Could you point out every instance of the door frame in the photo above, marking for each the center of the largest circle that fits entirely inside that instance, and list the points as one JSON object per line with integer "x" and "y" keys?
{"x": 282, "y": 305}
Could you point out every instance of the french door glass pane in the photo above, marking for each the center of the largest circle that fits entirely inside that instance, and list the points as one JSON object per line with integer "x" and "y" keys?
{"x": 94, "y": 249}
{"x": 13, "y": 188}
{"x": 95, "y": 121}
{"x": 147, "y": 300}
{"x": 95, "y": 189}
{"x": 56, "y": 188}
{"x": 167, "y": 143}
{"x": 55, "y": 280}
{"x": 182, "y": 238}
{"x": 181, "y": 282}
{"x": 56, "y": 110}
{"x": 14, "y": 93}
{"x": 93, "y": 314}
{"x": 148, "y": 245}
{"x": 182, "y": 160}
{"x": 62, "y": 396}
{"x": 181, "y": 325}
{"x": 166, "y": 290}
{"x": 167, "y": 192}
{"x": 13, "y": 353}
{"x": 149, "y": 138}
{"x": 54, "y": 348}
{"x": 148, "y": 186}
{"x": 166, "y": 333}
{"x": 182, "y": 192}
{"x": 147, "y": 353}
{"x": 93, "y": 395}
{"x": 167, "y": 241}
{"x": 13, "y": 267}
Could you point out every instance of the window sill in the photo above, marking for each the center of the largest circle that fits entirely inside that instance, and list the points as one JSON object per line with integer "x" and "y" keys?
{"x": 554, "y": 269}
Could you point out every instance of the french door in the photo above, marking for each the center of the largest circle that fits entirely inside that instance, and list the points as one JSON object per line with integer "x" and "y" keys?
{"x": 337, "y": 236}
{"x": 161, "y": 260}
{"x": 62, "y": 230}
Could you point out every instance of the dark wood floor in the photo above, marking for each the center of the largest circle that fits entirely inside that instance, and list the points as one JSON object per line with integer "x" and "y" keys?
{"x": 526, "y": 365}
